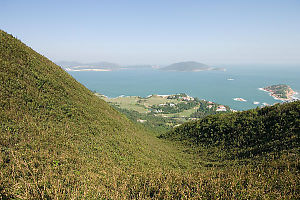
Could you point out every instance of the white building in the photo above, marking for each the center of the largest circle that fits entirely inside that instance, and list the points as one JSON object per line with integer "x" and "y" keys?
{"x": 209, "y": 106}
{"x": 221, "y": 108}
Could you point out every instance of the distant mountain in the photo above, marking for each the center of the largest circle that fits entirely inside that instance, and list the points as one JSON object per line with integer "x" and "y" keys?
{"x": 141, "y": 67}
{"x": 100, "y": 66}
{"x": 189, "y": 66}
{"x": 68, "y": 63}
{"x": 73, "y": 65}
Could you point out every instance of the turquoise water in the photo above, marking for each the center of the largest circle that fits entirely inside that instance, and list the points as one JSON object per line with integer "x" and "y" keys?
{"x": 209, "y": 85}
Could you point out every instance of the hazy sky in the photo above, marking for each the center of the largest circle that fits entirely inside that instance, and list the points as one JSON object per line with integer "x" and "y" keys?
{"x": 157, "y": 31}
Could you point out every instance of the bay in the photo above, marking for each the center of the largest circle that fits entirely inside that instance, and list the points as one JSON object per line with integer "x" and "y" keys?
{"x": 208, "y": 85}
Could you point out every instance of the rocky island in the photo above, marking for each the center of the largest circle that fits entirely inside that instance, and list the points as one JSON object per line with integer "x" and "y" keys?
{"x": 280, "y": 92}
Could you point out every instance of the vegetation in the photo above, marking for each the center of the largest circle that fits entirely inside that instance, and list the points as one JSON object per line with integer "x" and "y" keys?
{"x": 175, "y": 108}
{"x": 207, "y": 108}
{"x": 280, "y": 91}
{"x": 150, "y": 122}
{"x": 135, "y": 108}
{"x": 246, "y": 134}
{"x": 60, "y": 141}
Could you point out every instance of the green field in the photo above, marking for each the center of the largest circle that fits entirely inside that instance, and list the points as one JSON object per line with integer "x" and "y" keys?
{"x": 183, "y": 114}
{"x": 143, "y": 105}
{"x": 130, "y": 103}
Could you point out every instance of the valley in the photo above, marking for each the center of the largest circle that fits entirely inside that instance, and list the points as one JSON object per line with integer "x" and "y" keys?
{"x": 58, "y": 140}
{"x": 164, "y": 110}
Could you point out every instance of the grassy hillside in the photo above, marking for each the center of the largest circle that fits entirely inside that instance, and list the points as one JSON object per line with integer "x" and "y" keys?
{"x": 259, "y": 148}
{"x": 246, "y": 134}
{"x": 59, "y": 141}
{"x": 57, "y": 138}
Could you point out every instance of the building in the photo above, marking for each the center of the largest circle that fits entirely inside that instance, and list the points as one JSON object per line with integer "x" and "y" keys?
{"x": 221, "y": 108}
{"x": 209, "y": 106}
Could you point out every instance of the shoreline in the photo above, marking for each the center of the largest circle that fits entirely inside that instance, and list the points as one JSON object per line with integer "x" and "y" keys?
{"x": 290, "y": 96}
{"x": 81, "y": 70}
{"x": 294, "y": 97}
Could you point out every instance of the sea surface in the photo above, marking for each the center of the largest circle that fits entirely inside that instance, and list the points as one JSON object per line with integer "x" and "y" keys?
{"x": 208, "y": 85}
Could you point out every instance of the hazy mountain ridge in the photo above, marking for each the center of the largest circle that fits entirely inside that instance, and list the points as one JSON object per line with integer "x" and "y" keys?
{"x": 73, "y": 65}
{"x": 95, "y": 65}
{"x": 189, "y": 66}
{"x": 181, "y": 66}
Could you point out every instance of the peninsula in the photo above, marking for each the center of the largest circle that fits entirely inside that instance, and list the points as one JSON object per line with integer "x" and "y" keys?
{"x": 99, "y": 66}
{"x": 280, "y": 92}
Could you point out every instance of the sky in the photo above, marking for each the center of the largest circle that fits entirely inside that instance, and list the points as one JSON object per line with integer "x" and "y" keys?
{"x": 157, "y": 31}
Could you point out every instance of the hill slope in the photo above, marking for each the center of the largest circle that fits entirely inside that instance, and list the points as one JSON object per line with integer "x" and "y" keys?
{"x": 57, "y": 136}
{"x": 246, "y": 134}
{"x": 59, "y": 141}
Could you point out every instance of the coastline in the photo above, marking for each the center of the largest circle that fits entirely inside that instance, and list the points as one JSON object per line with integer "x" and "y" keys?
{"x": 295, "y": 97}
{"x": 289, "y": 95}
{"x": 81, "y": 70}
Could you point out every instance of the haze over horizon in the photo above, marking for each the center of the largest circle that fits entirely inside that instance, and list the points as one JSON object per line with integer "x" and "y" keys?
{"x": 158, "y": 32}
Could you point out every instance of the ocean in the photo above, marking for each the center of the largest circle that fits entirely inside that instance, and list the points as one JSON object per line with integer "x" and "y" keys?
{"x": 221, "y": 87}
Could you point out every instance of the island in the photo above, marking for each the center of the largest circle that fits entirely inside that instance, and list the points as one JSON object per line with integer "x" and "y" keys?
{"x": 190, "y": 66}
{"x": 280, "y": 92}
